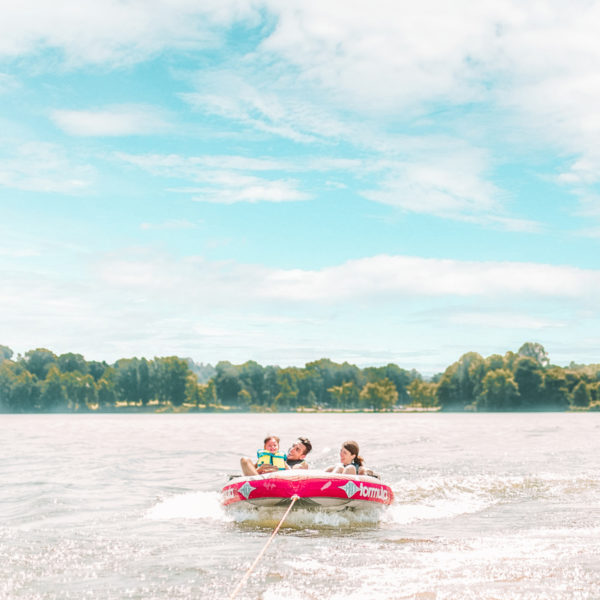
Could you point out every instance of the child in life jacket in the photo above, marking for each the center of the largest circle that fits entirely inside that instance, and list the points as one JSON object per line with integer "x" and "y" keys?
{"x": 270, "y": 455}
{"x": 268, "y": 459}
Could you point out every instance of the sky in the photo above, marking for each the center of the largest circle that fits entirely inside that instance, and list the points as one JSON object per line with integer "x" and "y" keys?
{"x": 389, "y": 182}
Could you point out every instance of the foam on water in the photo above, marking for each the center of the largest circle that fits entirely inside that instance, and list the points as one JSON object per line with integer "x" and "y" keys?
{"x": 305, "y": 519}
{"x": 447, "y": 497}
{"x": 424, "y": 499}
{"x": 207, "y": 505}
{"x": 193, "y": 505}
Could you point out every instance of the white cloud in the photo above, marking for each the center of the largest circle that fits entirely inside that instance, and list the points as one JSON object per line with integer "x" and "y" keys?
{"x": 274, "y": 107}
{"x": 338, "y": 71}
{"x": 378, "y": 278}
{"x": 539, "y": 59}
{"x": 114, "y": 32}
{"x": 111, "y": 121}
{"x": 43, "y": 167}
{"x": 140, "y": 302}
{"x": 441, "y": 186}
{"x": 195, "y": 167}
{"x": 531, "y": 65}
{"x": 433, "y": 190}
{"x": 393, "y": 58}
{"x": 260, "y": 191}
{"x": 409, "y": 277}
{"x": 224, "y": 179}
{"x": 506, "y": 320}
{"x": 445, "y": 178}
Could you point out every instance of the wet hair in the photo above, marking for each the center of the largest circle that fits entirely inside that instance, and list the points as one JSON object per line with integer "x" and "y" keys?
{"x": 271, "y": 437}
{"x": 306, "y": 442}
{"x": 352, "y": 447}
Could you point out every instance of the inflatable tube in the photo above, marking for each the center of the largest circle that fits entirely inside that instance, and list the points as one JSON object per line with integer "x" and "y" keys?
{"x": 316, "y": 489}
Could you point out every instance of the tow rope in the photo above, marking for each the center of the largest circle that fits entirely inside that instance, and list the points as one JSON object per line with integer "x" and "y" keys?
{"x": 249, "y": 571}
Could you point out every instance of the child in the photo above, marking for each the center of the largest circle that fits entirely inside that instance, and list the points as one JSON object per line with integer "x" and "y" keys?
{"x": 270, "y": 455}
{"x": 269, "y": 458}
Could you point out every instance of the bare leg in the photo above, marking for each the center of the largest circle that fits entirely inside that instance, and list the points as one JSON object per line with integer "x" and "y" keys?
{"x": 248, "y": 467}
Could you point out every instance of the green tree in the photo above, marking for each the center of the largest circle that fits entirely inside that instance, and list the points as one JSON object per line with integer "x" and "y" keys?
{"x": 126, "y": 378}
{"x": 461, "y": 382}
{"x": 80, "y": 390}
{"x": 510, "y": 358}
{"x": 53, "y": 396}
{"x": 321, "y": 375}
{"x": 244, "y": 398}
{"x": 5, "y": 353}
{"x": 271, "y": 385}
{"x": 144, "y": 384}
{"x": 311, "y": 400}
{"x": 208, "y": 394}
{"x": 556, "y": 390}
{"x": 401, "y": 378}
{"x": 227, "y": 383}
{"x": 252, "y": 377}
{"x": 379, "y": 395}
{"x": 595, "y": 391}
{"x": 87, "y": 397}
{"x": 106, "y": 394}
{"x": 193, "y": 394}
{"x": 499, "y": 391}
{"x": 493, "y": 362}
{"x": 25, "y": 393}
{"x": 70, "y": 362}
{"x": 529, "y": 377}
{"x": 39, "y": 361}
{"x": 581, "y": 395}
{"x": 287, "y": 380}
{"x": 8, "y": 374}
{"x": 97, "y": 369}
{"x": 345, "y": 395}
{"x": 535, "y": 351}
{"x": 172, "y": 376}
{"x": 573, "y": 378}
{"x": 422, "y": 393}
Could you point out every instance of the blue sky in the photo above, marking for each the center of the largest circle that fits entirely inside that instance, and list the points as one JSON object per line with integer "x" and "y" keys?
{"x": 285, "y": 181}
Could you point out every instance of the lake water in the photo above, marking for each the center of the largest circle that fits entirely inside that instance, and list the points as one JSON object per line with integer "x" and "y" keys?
{"x": 127, "y": 506}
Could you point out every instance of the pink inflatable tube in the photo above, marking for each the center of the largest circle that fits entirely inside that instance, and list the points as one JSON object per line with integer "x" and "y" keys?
{"x": 316, "y": 489}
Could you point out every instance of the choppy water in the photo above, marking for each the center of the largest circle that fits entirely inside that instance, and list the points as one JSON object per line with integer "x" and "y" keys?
{"x": 114, "y": 507}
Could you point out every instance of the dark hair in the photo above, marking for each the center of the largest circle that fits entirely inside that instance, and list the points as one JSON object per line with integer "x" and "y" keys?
{"x": 352, "y": 447}
{"x": 271, "y": 437}
{"x": 306, "y": 442}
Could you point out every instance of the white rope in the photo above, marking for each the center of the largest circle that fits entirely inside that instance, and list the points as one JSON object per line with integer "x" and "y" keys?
{"x": 245, "y": 577}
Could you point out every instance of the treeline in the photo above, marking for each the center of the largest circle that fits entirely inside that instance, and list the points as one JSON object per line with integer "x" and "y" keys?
{"x": 41, "y": 381}
{"x": 524, "y": 380}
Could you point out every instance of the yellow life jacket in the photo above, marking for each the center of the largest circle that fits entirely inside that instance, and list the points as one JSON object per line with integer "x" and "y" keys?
{"x": 277, "y": 459}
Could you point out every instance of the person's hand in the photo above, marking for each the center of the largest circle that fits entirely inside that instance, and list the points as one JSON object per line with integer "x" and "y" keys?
{"x": 266, "y": 469}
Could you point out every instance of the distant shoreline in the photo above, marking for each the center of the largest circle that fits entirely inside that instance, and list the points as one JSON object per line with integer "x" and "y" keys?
{"x": 42, "y": 382}
{"x": 154, "y": 410}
